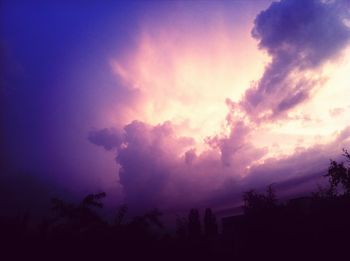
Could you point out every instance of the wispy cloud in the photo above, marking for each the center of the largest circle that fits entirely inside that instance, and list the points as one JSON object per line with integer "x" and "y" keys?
{"x": 299, "y": 36}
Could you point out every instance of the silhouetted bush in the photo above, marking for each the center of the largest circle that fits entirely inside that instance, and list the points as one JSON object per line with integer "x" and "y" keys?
{"x": 254, "y": 202}
{"x": 339, "y": 174}
{"x": 194, "y": 224}
{"x": 210, "y": 223}
{"x": 311, "y": 228}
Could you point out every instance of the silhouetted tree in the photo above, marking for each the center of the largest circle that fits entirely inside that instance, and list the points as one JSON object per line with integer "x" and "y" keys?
{"x": 153, "y": 217}
{"x": 254, "y": 202}
{"x": 194, "y": 224}
{"x": 93, "y": 200}
{"x": 81, "y": 215}
{"x": 210, "y": 223}
{"x": 338, "y": 173}
{"x": 271, "y": 199}
{"x": 181, "y": 227}
{"x": 143, "y": 224}
{"x": 122, "y": 210}
{"x": 327, "y": 192}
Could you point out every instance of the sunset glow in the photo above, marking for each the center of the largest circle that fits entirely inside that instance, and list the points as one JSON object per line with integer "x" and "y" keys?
{"x": 175, "y": 130}
{"x": 173, "y": 103}
{"x": 187, "y": 80}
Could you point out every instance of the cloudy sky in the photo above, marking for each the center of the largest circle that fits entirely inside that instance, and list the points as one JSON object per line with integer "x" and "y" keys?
{"x": 171, "y": 104}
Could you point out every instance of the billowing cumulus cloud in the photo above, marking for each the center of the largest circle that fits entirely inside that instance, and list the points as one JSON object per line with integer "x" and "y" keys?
{"x": 157, "y": 168}
{"x": 236, "y": 150}
{"x": 299, "y": 36}
{"x": 160, "y": 164}
{"x": 147, "y": 83}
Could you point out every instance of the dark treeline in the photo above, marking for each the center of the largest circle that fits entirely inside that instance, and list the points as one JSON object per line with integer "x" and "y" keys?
{"x": 314, "y": 228}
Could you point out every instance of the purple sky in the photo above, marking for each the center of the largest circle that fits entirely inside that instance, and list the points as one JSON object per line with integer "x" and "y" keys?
{"x": 171, "y": 104}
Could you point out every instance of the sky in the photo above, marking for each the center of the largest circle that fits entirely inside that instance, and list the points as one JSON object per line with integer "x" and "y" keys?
{"x": 171, "y": 104}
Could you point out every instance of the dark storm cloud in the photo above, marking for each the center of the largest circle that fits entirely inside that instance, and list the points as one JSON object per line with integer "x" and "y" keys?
{"x": 298, "y": 36}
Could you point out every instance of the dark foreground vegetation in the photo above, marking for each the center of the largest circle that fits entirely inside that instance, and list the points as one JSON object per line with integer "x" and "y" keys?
{"x": 308, "y": 228}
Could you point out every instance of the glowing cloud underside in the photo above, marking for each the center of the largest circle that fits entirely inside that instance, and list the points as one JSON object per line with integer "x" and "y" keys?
{"x": 214, "y": 109}
{"x": 186, "y": 80}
